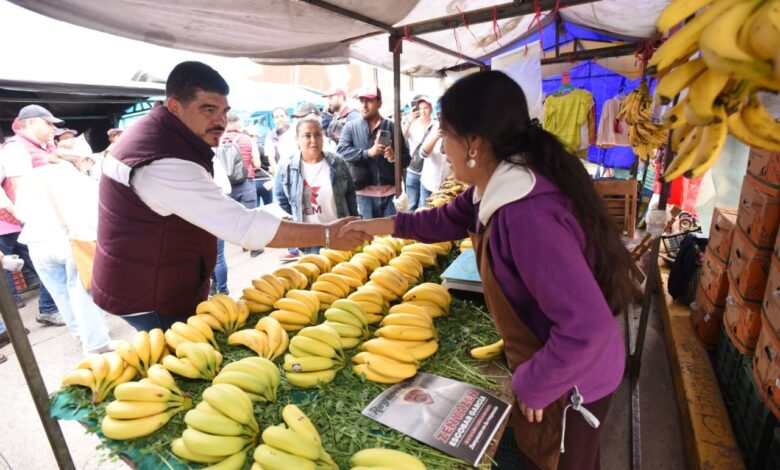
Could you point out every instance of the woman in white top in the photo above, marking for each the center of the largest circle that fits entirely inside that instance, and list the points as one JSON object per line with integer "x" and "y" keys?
{"x": 419, "y": 127}
{"x": 436, "y": 167}
{"x": 58, "y": 203}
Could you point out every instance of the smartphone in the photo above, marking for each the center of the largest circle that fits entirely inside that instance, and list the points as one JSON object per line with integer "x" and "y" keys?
{"x": 384, "y": 138}
{"x": 415, "y": 105}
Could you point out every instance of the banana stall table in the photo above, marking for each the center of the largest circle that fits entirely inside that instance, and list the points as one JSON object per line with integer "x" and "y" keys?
{"x": 334, "y": 408}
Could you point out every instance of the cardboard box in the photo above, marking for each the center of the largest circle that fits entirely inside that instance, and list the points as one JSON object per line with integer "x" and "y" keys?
{"x": 724, "y": 220}
{"x": 706, "y": 318}
{"x": 714, "y": 278}
{"x": 742, "y": 320}
{"x": 771, "y": 306}
{"x": 759, "y": 212}
{"x": 748, "y": 267}
{"x": 766, "y": 371}
{"x": 764, "y": 166}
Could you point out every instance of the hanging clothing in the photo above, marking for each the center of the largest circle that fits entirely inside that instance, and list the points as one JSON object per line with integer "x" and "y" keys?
{"x": 612, "y": 131}
{"x": 566, "y": 114}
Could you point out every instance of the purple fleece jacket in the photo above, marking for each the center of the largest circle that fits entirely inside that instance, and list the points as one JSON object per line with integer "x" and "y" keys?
{"x": 537, "y": 255}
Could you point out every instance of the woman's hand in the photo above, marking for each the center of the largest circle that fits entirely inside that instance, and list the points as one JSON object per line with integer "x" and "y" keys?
{"x": 530, "y": 414}
{"x": 384, "y": 226}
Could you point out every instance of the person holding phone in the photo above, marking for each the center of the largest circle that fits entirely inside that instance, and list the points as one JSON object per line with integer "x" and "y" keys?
{"x": 416, "y": 130}
{"x": 367, "y": 146}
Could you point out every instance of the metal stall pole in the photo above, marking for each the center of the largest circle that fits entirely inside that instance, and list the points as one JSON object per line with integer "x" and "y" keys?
{"x": 395, "y": 47}
{"x": 32, "y": 375}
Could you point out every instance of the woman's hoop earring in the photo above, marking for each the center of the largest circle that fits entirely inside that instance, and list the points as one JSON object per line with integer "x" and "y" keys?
{"x": 470, "y": 163}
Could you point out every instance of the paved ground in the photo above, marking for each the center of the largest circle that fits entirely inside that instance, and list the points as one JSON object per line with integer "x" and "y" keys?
{"x": 23, "y": 444}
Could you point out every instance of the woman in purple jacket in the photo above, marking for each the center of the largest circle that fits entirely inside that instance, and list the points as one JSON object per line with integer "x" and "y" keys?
{"x": 553, "y": 267}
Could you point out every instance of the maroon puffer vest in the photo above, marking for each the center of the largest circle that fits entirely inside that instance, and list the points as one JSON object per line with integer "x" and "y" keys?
{"x": 144, "y": 261}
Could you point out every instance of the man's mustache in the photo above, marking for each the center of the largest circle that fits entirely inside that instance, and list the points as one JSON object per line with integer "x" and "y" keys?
{"x": 218, "y": 128}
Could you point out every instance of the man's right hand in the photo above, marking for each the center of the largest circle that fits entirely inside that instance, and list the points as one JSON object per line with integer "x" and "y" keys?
{"x": 377, "y": 149}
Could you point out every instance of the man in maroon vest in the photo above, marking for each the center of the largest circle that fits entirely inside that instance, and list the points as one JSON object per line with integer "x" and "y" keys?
{"x": 161, "y": 212}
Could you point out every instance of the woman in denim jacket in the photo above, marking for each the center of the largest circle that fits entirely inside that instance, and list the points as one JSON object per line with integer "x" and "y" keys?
{"x": 314, "y": 186}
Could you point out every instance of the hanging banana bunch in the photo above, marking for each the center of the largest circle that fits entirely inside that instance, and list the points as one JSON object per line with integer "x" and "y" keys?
{"x": 643, "y": 134}
{"x": 723, "y": 56}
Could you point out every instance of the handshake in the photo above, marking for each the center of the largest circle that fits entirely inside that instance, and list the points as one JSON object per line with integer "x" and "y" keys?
{"x": 349, "y": 232}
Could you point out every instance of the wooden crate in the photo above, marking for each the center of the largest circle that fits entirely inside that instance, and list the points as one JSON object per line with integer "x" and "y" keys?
{"x": 620, "y": 197}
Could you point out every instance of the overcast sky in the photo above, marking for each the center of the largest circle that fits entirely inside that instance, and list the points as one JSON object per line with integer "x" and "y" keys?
{"x": 31, "y": 48}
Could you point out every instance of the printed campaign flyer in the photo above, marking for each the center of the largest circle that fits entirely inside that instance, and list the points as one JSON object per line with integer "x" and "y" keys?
{"x": 453, "y": 417}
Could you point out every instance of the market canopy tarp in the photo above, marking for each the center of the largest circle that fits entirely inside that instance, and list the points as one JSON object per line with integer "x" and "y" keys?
{"x": 295, "y": 32}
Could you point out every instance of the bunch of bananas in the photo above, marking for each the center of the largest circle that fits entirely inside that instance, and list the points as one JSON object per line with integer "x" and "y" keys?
{"x": 258, "y": 377}
{"x": 434, "y": 298}
{"x": 449, "y": 190}
{"x": 383, "y": 361}
{"x": 385, "y": 459}
{"x": 336, "y": 256}
{"x": 394, "y": 243}
{"x": 297, "y": 446}
{"x": 316, "y": 354}
{"x": 369, "y": 262}
{"x": 491, "y": 351}
{"x": 268, "y": 338}
{"x": 221, "y": 428}
{"x": 737, "y": 40}
{"x": 410, "y": 266}
{"x": 142, "y": 408}
{"x": 372, "y": 302}
{"x": 322, "y": 262}
{"x": 643, "y": 134}
{"x": 291, "y": 278}
{"x": 100, "y": 373}
{"x": 196, "y": 330}
{"x": 381, "y": 251}
{"x": 222, "y": 313}
{"x": 311, "y": 271}
{"x": 424, "y": 253}
{"x": 194, "y": 361}
{"x": 266, "y": 290}
{"x": 390, "y": 281}
{"x": 348, "y": 319}
{"x": 330, "y": 287}
{"x": 145, "y": 349}
{"x": 298, "y": 309}
{"x": 465, "y": 244}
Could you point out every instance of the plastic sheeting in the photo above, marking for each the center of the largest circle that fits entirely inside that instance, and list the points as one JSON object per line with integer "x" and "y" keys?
{"x": 524, "y": 67}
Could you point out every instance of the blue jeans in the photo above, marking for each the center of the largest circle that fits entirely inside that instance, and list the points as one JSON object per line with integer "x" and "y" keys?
{"x": 245, "y": 193}
{"x": 424, "y": 194}
{"x": 264, "y": 196}
{"x": 220, "y": 274}
{"x": 10, "y": 246}
{"x": 413, "y": 187}
{"x": 374, "y": 207}
{"x": 57, "y": 269}
{"x": 149, "y": 321}
{"x": 2, "y": 327}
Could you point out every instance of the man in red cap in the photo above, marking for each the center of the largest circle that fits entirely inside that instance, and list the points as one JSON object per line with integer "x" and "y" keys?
{"x": 367, "y": 145}
{"x": 339, "y": 111}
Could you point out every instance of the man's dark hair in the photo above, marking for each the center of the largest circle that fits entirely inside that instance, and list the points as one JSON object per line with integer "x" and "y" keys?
{"x": 188, "y": 77}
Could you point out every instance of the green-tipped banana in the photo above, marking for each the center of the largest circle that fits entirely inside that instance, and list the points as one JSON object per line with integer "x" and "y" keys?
{"x": 379, "y": 457}
{"x": 270, "y": 458}
{"x": 213, "y": 423}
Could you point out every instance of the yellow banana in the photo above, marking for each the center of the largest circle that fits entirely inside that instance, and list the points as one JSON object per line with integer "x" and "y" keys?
{"x": 307, "y": 363}
{"x": 159, "y": 375}
{"x": 322, "y": 262}
{"x": 289, "y": 441}
{"x": 712, "y": 140}
{"x": 407, "y": 319}
{"x": 214, "y": 309}
{"x": 386, "y": 366}
{"x": 201, "y": 358}
{"x": 271, "y": 458}
{"x": 173, "y": 339}
{"x": 295, "y": 306}
{"x": 313, "y": 347}
{"x": 256, "y": 307}
{"x": 212, "y": 321}
{"x": 297, "y": 279}
{"x": 350, "y": 270}
{"x": 232, "y": 402}
{"x": 373, "y": 376}
{"x": 491, "y": 351}
{"x": 406, "y": 332}
{"x": 157, "y": 342}
{"x": 261, "y": 292}
{"x": 351, "y": 307}
{"x": 180, "y": 450}
{"x": 190, "y": 333}
{"x": 387, "y": 348}
{"x": 125, "y": 409}
{"x": 346, "y": 330}
{"x": 274, "y": 282}
{"x": 136, "y": 391}
{"x": 386, "y": 294}
{"x": 364, "y": 295}
{"x": 182, "y": 367}
{"x": 433, "y": 309}
{"x": 232, "y": 462}
{"x": 338, "y": 290}
{"x": 379, "y": 457}
{"x": 243, "y": 314}
{"x": 323, "y": 333}
{"x": 247, "y": 382}
{"x": 342, "y": 316}
{"x": 408, "y": 265}
{"x": 425, "y": 350}
{"x": 214, "y": 445}
{"x": 253, "y": 339}
{"x": 762, "y": 31}
{"x": 116, "y": 365}
{"x": 702, "y": 95}
{"x": 373, "y": 311}
{"x": 310, "y": 379}
{"x": 310, "y": 270}
{"x": 277, "y": 337}
{"x": 395, "y": 284}
{"x": 379, "y": 252}
{"x": 326, "y": 299}
{"x": 350, "y": 343}
{"x": 142, "y": 348}
{"x": 335, "y": 256}
{"x": 678, "y": 79}
{"x": 720, "y": 48}
{"x": 429, "y": 291}
{"x": 81, "y": 377}
{"x": 739, "y": 129}
{"x": 759, "y": 120}
{"x": 264, "y": 372}
{"x": 126, "y": 429}
{"x": 410, "y": 309}
{"x": 99, "y": 367}
{"x": 230, "y": 307}
{"x": 297, "y": 421}
{"x": 369, "y": 262}
{"x": 288, "y": 317}
{"x": 215, "y": 423}
{"x": 685, "y": 156}
{"x": 308, "y": 298}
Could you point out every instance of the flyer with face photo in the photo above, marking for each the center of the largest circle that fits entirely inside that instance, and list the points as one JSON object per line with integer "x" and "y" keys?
{"x": 453, "y": 417}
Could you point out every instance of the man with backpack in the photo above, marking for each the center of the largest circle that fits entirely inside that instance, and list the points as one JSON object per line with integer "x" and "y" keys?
{"x": 235, "y": 152}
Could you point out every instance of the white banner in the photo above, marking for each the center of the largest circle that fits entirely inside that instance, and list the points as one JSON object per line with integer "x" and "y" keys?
{"x": 525, "y": 67}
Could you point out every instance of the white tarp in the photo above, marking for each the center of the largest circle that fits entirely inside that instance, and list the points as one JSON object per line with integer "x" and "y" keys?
{"x": 290, "y": 31}
{"x": 524, "y": 66}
